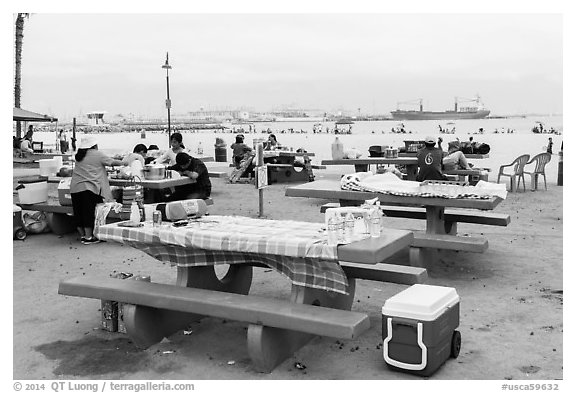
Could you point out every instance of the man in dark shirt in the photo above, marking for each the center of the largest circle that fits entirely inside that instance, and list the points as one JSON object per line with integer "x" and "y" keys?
{"x": 194, "y": 169}
{"x": 430, "y": 161}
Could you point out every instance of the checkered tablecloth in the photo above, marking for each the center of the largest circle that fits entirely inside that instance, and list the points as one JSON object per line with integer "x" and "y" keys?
{"x": 296, "y": 249}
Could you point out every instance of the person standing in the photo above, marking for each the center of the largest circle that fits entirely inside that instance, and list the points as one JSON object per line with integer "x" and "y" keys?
{"x": 89, "y": 186}
{"x": 550, "y": 143}
{"x": 63, "y": 141}
{"x": 239, "y": 150}
{"x": 430, "y": 161}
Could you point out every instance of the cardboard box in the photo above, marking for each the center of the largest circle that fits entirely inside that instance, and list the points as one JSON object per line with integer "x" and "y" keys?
{"x": 110, "y": 308}
{"x": 121, "y": 326}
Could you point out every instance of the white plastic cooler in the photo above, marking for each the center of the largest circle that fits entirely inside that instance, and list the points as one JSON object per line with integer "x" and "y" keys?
{"x": 418, "y": 328}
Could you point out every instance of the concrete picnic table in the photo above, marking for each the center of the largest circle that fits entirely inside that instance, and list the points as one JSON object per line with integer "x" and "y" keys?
{"x": 408, "y": 159}
{"x": 437, "y": 235}
{"x": 319, "y": 274}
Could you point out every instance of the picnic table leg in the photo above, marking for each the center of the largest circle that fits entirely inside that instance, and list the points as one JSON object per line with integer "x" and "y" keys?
{"x": 147, "y": 326}
{"x": 268, "y": 346}
{"x": 435, "y": 223}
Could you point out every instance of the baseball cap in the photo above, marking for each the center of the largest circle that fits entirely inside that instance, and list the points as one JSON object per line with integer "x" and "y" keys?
{"x": 429, "y": 140}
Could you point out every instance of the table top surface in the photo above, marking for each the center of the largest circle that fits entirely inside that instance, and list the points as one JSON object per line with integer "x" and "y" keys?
{"x": 330, "y": 189}
{"x": 372, "y": 161}
{"x": 155, "y": 184}
{"x": 284, "y": 153}
{"x": 258, "y": 236}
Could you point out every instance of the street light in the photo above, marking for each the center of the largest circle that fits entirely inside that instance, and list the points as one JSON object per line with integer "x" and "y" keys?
{"x": 168, "y": 104}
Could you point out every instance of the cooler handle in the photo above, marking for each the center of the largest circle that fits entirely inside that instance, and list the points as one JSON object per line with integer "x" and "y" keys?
{"x": 407, "y": 366}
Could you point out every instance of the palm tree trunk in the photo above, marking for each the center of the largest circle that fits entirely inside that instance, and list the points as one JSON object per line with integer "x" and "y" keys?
{"x": 18, "y": 66}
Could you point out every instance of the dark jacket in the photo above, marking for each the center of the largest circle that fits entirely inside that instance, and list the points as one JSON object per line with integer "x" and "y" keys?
{"x": 430, "y": 164}
{"x": 202, "y": 184}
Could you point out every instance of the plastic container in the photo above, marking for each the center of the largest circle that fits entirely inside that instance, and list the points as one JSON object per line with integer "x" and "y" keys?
{"x": 418, "y": 328}
{"x": 220, "y": 150}
{"x": 48, "y": 167}
{"x": 337, "y": 150}
{"x": 34, "y": 190}
{"x": 376, "y": 151}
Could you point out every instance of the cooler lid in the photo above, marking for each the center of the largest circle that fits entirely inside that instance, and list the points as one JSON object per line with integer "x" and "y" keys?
{"x": 423, "y": 302}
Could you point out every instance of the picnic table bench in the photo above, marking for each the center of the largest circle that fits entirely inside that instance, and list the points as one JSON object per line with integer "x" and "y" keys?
{"x": 441, "y": 227}
{"x": 276, "y": 327}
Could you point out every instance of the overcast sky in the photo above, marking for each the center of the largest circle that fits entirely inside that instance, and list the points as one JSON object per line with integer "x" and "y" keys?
{"x": 76, "y": 63}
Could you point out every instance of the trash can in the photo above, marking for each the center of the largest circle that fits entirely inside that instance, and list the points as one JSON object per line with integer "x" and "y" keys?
{"x": 220, "y": 150}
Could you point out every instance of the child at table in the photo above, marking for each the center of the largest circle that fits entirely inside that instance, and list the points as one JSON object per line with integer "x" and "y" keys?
{"x": 239, "y": 150}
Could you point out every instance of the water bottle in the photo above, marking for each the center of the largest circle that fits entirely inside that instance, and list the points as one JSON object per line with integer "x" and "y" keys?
{"x": 134, "y": 213}
{"x": 337, "y": 150}
{"x": 332, "y": 231}
{"x": 375, "y": 222}
{"x": 349, "y": 228}
{"x": 200, "y": 149}
{"x": 340, "y": 227}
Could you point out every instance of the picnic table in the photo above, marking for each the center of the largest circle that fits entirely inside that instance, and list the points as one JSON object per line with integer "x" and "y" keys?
{"x": 323, "y": 281}
{"x": 440, "y": 233}
{"x": 363, "y": 164}
{"x": 411, "y": 162}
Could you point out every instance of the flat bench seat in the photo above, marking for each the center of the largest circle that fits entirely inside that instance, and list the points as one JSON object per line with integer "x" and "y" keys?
{"x": 450, "y": 215}
{"x": 217, "y": 174}
{"x": 384, "y": 272}
{"x": 449, "y": 242}
{"x": 244, "y": 308}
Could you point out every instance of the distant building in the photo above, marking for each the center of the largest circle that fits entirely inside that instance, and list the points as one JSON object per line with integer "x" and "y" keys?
{"x": 95, "y": 118}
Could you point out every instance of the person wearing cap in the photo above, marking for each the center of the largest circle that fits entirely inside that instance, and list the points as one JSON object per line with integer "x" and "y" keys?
{"x": 430, "y": 161}
{"x": 89, "y": 186}
{"x": 195, "y": 169}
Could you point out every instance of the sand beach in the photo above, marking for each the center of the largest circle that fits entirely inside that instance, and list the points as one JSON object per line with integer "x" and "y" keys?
{"x": 511, "y": 317}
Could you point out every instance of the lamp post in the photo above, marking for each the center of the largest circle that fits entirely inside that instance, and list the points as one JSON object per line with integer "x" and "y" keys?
{"x": 168, "y": 104}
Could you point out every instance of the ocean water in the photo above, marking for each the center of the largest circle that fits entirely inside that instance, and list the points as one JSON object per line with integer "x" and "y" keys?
{"x": 504, "y": 146}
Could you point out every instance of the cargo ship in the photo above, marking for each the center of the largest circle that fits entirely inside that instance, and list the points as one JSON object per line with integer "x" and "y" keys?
{"x": 474, "y": 110}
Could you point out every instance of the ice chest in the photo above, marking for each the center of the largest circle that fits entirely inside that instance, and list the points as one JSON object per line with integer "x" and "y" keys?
{"x": 32, "y": 190}
{"x": 64, "y": 192}
{"x": 418, "y": 328}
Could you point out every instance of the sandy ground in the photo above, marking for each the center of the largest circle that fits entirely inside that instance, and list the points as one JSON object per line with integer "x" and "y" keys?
{"x": 511, "y": 304}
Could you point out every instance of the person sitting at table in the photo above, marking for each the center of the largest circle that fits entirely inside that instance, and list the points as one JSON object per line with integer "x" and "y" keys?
{"x": 139, "y": 154}
{"x": 195, "y": 169}
{"x": 176, "y": 146}
{"x": 89, "y": 186}
{"x": 26, "y": 145}
{"x": 430, "y": 160}
{"x": 455, "y": 159}
{"x": 239, "y": 150}
{"x": 271, "y": 143}
{"x": 153, "y": 152}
